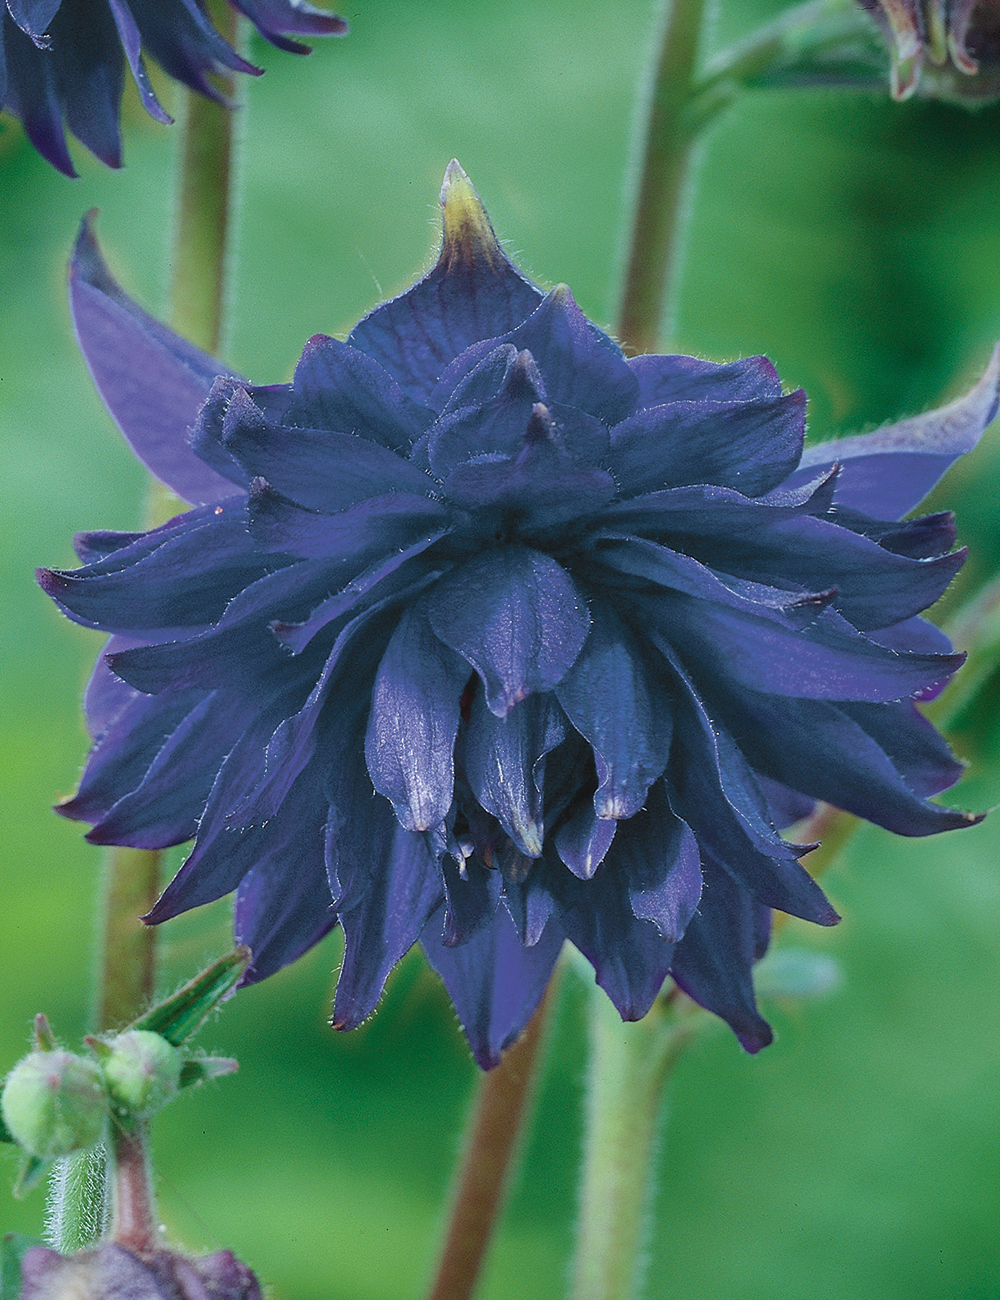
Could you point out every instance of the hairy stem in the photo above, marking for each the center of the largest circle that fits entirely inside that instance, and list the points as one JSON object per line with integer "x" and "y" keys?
{"x": 133, "y": 1211}
{"x": 629, "y": 1066}
{"x": 662, "y": 157}
{"x": 501, "y": 1106}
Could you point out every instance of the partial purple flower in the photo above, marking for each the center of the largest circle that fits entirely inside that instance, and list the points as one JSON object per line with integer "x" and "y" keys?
{"x": 948, "y": 48}
{"x": 113, "y": 1272}
{"x": 64, "y": 60}
{"x": 481, "y": 635}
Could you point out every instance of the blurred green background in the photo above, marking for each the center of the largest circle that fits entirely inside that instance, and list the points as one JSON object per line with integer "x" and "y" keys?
{"x": 857, "y": 243}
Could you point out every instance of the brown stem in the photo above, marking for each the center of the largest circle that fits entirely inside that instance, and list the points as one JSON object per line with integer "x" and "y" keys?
{"x": 133, "y": 1221}
{"x": 502, "y": 1103}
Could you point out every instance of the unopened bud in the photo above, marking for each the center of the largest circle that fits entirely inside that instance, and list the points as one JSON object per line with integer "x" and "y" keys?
{"x": 55, "y": 1103}
{"x": 142, "y": 1070}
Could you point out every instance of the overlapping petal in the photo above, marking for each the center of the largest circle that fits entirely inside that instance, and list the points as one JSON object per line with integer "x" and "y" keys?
{"x": 481, "y": 635}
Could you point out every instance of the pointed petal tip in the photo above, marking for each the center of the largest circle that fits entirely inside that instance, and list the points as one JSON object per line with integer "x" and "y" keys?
{"x": 468, "y": 234}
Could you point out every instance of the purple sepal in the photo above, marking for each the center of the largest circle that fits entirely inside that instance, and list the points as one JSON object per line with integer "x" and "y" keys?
{"x": 714, "y": 961}
{"x": 889, "y": 472}
{"x": 688, "y": 379}
{"x": 152, "y": 381}
{"x": 494, "y": 981}
{"x": 274, "y": 18}
{"x": 115, "y": 1273}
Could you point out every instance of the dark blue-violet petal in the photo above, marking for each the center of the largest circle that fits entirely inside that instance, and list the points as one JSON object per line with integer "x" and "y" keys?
{"x": 714, "y": 961}
{"x": 529, "y": 903}
{"x": 583, "y": 840}
{"x": 487, "y": 379}
{"x": 343, "y": 684}
{"x": 106, "y": 695}
{"x": 414, "y": 720}
{"x": 183, "y": 41}
{"x": 166, "y": 807}
{"x": 630, "y": 956}
{"x": 126, "y": 743}
{"x": 497, "y": 424}
{"x": 749, "y": 446}
{"x": 33, "y": 17}
{"x": 817, "y": 748}
{"x": 403, "y": 573}
{"x": 152, "y": 381}
{"x": 914, "y": 634}
{"x": 888, "y": 472}
{"x": 920, "y": 539}
{"x": 516, "y": 617}
{"x": 656, "y": 853}
{"x": 222, "y": 856}
{"x": 188, "y": 580}
{"x": 382, "y": 927}
{"x": 618, "y": 700}
{"x": 917, "y": 751}
{"x": 33, "y": 96}
{"x": 686, "y": 379}
{"x": 315, "y": 468}
{"x": 472, "y": 895}
{"x": 281, "y": 914}
{"x": 89, "y": 72}
{"x": 375, "y": 525}
{"x": 580, "y": 366}
{"x": 503, "y": 764}
{"x": 787, "y": 806}
{"x": 472, "y": 293}
{"x": 828, "y": 660}
{"x": 659, "y": 568}
{"x": 131, "y": 41}
{"x": 494, "y": 982}
{"x": 341, "y": 388}
{"x": 274, "y": 18}
{"x": 875, "y": 587}
{"x": 207, "y": 433}
{"x": 702, "y": 510}
{"x": 541, "y": 487}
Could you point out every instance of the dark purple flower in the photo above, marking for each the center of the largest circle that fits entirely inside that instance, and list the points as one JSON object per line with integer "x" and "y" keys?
{"x": 480, "y": 634}
{"x": 65, "y": 60}
{"x": 112, "y": 1272}
{"x": 950, "y": 49}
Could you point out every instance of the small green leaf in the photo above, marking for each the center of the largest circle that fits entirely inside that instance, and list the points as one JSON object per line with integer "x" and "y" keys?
{"x": 13, "y": 1249}
{"x": 201, "y": 1068}
{"x": 32, "y": 1172}
{"x": 44, "y": 1037}
{"x": 183, "y": 1014}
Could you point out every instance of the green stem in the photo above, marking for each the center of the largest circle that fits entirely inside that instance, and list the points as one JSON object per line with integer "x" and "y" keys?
{"x": 502, "y": 1104}
{"x": 76, "y": 1209}
{"x": 629, "y": 1066}
{"x": 663, "y": 156}
{"x": 204, "y": 203}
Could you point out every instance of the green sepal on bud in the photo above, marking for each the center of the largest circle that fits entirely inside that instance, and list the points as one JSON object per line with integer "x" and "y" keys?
{"x": 142, "y": 1071}
{"x": 55, "y": 1103}
{"x": 180, "y": 1016}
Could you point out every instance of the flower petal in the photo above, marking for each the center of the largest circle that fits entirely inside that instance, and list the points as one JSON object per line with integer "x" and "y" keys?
{"x": 414, "y": 720}
{"x": 494, "y": 981}
{"x": 615, "y": 697}
{"x": 472, "y": 293}
{"x": 888, "y": 472}
{"x": 714, "y": 961}
{"x": 152, "y": 381}
{"x": 749, "y": 446}
{"x": 516, "y": 617}
{"x": 686, "y": 379}
{"x": 273, "y": 18}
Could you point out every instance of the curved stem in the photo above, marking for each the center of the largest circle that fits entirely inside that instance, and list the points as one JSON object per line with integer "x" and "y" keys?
{"x": 629, "y": 1067}
{"x": 663, "y": 157}
{"x": 501, "y": 1106}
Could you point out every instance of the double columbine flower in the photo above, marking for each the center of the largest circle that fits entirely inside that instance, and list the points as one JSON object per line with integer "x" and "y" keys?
{"x": 65, "y": 59}
{"x": 481, "y": 635}
{"x": 953, "y": 44}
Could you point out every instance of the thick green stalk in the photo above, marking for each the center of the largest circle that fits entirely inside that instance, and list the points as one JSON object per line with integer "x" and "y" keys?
{"x": 629, "y": 1066}
{"x": 502, "y": 1104}
{"x": 662, "y": 159}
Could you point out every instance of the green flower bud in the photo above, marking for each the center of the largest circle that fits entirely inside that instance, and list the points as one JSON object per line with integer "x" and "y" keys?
{"x": 143, "y": 1071}
{"x": 54, "y": 1103}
